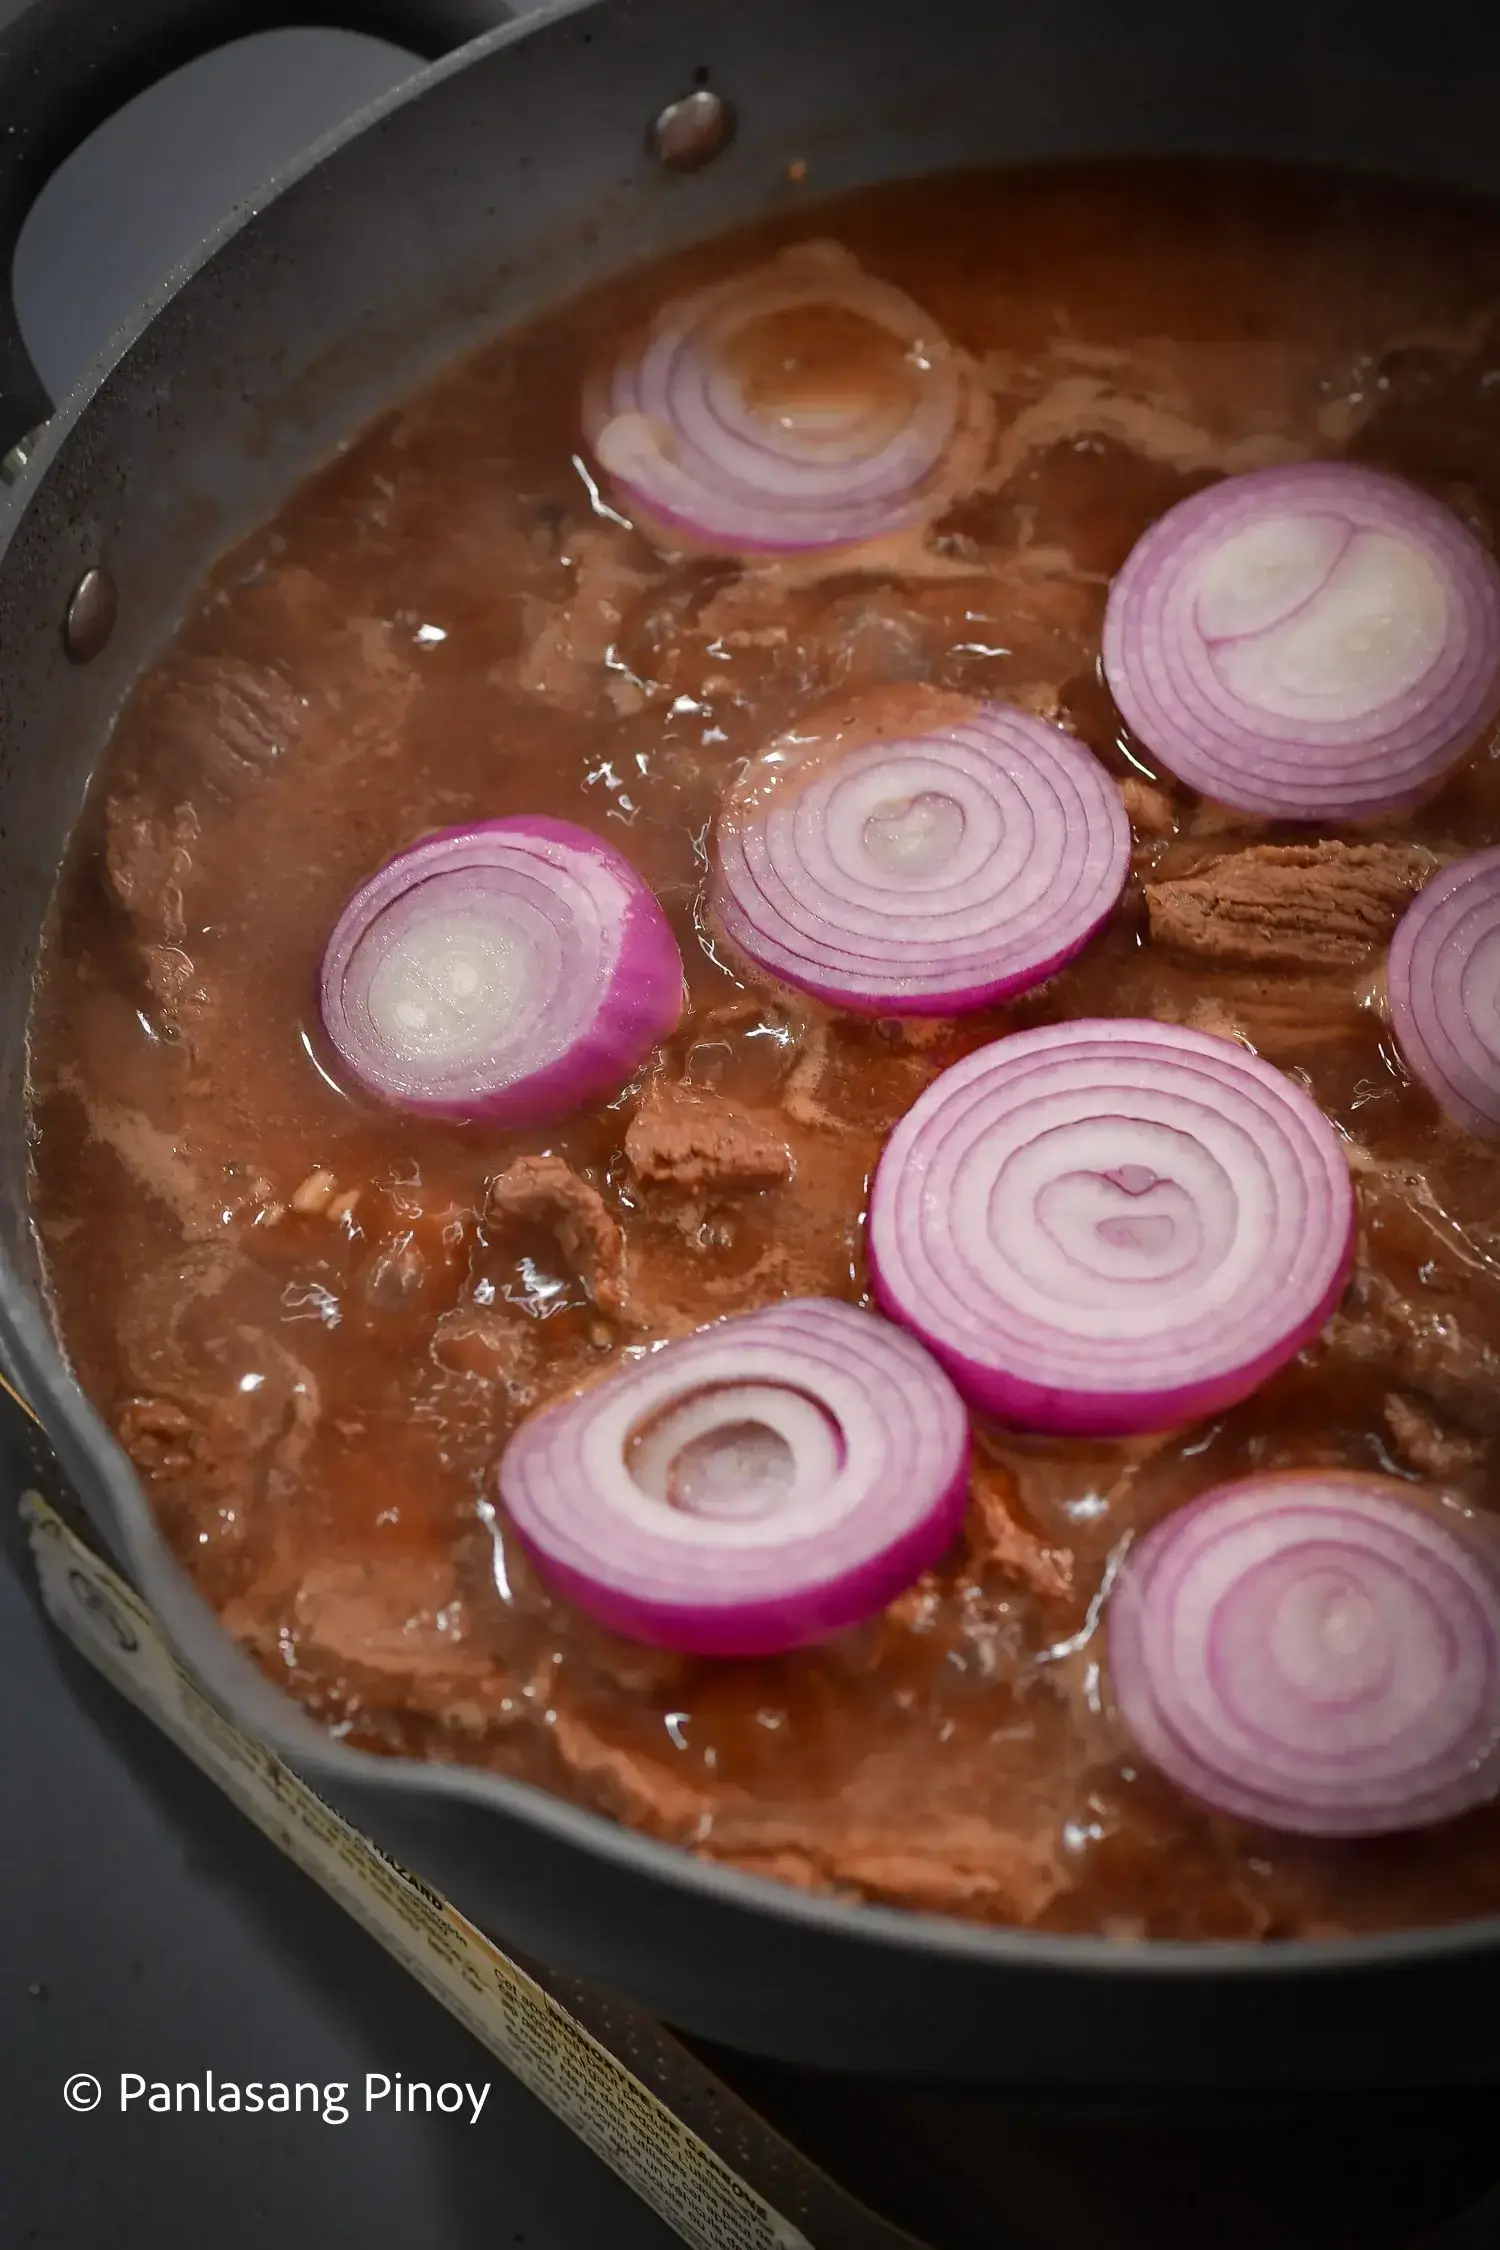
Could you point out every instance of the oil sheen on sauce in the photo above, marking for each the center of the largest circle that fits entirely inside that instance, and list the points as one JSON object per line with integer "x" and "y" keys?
{"x": 294, "y": 1309}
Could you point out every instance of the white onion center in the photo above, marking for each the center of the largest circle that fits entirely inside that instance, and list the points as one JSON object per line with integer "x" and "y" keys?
{"x": 1328, "y": 1639}
{"x": 1095, "y": 1206}
{"x": 451, "y": 987}
{"x": 882, "y": 820}
{"x": 737, "y": 1468}
{"x": 1479, "y": 993}
{"x": 1301, "y": 613}
{"x": 914, "y": 836}
{"x": 729, "y": 1454}
{"x": 736, "y": 1452}
{"x": 1150, "y": 1233}
{"x": 1312, "y": 1630}
{"x": 1263, "y": 574}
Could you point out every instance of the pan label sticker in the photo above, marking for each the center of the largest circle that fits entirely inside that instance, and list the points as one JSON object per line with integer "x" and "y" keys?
{"x": 684, "y": 2181}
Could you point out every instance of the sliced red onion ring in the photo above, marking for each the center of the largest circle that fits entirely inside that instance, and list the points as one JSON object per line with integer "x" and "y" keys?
{"x": 799, "y": 407}
{"x": 1107, "y": 1227}
{"x": 921, "y": 853}
{"x": 1315, "y": 1652}
{"x": 754, "y": 1487}
{"x": 1317, "y": 642}
{"x": 1443, "y": 985}
{"x": 509, "y": 971}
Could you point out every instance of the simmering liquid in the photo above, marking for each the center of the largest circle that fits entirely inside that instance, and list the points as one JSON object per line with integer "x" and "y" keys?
{"x": 314, "y": 1333}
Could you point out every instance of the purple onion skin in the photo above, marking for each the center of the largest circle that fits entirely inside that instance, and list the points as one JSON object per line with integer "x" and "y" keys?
{"x": 642, "y": 1012}
{"x": 962, "y": 1000}
{"x": 1100, "y": 1412}
{"x": 885, "y": 1418}
{"x": 720, "y": 501}
{"x": 769, "y": 1628}
{"x": 1246, "y": 1777}
{"x": 1111, "y": 1414}
{"x": 642, "y": 1008}
{"x": 939, "y": 979}
{"x": 1412, "y": 745}
{"x": 1440, "y": 1038}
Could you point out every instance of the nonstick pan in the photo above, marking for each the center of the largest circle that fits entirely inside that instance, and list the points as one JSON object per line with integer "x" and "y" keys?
{"x": 512, "y": 170}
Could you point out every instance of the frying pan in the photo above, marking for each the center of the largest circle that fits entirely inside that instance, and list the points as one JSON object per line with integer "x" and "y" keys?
{"x": 511, "y": 170}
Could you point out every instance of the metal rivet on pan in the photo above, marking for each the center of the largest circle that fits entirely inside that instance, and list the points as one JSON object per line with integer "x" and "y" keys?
{"x": 92, "y": 609}
{"x": 691, "y": 133}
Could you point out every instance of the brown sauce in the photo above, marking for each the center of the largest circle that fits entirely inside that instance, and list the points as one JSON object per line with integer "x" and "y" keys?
{"x": 819, "y": 359}
{"x": 314, "y": 1328}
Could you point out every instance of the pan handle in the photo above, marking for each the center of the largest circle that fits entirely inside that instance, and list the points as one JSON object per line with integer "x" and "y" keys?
{"x": 68, "y": 65}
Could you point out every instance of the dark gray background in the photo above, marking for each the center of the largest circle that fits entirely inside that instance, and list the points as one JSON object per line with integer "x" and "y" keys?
{"x": 144, "y": 1925}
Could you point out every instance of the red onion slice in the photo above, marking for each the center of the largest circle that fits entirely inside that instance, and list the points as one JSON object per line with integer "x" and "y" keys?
{"x": 1317, "y": 642}
{"x": 1107, "y": 1227}
{"x": 1316, "y": 1652}
{"x": 1443, "y": 983}
{"x": 752, "y": 1488}
{"x": 510, "y": 971}
{"x": 732, "y": 432}
{"x": 919, "y": 852}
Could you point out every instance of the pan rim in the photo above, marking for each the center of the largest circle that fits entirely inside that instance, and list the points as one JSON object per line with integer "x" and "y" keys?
{"x": 113, "y": 1494}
